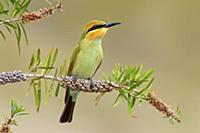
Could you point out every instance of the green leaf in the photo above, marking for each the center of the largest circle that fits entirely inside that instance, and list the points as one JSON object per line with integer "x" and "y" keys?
{"x": 25, "y": 34}
{"x": 47, "y": 62}
{"x": 23, "y": 8}
{"x": 32, "y": 62}
{"x": 4, "y": 12}
{"x": 117, "y": 101}
{"x": 64, "y": 70}
{"x": 17, "y": 31}
{"x": 14, "y": 122}
{"x": 146, "y": 88}
{"x": 8, "y": 28}
{"x": 19, "y": 8}
{"x": 147, "y": 74}
{"x": 1, "y": 6}
{"x": 60, "y": 70}
{"x": 130, "y": 112}
{"x": 37, "y": 94}
{"x": 57, "y": 89}
{"x": 138, "y": 71}
{"x": 10, "y": 25}
{"x": 3, "y": 35}
{"x": 45, "y": 68}
{"x": 46, "y": 92}
{"x": 13, "y": 13}
{"x": 17, "y": 110}
{"x": 54, "y": 57}
{"x": 49, "y": 92}
{"x": 7, "y": 3}
{"x": 149, "y": 84}
{"x": 38, "y": 57}
{"x": 13, "y": 107}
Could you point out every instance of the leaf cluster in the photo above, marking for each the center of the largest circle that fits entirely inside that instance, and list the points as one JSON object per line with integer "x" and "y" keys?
{"x": 135, "y": 84}
{"x": 17, "y": 110}
{"x": 44, "y": 67}
{"x": 10, "y": 15}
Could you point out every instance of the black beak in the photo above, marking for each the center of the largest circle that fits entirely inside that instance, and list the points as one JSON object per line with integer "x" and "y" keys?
{"x": 108, "y": 25}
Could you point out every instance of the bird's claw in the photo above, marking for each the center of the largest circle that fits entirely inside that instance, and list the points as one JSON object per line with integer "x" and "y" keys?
{"x": 74, "y": 78}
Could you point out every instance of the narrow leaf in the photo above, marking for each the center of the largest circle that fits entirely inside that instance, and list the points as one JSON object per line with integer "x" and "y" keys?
{"x": 38, "y": 57}
{"x": 25, "y": 34}
{"x": 32, "y": 62}
{"x": 3, "y": 35}
{"x": 117, "y": 100}
{"x": 54, "y": 57}
{"x": 57, "y": 89}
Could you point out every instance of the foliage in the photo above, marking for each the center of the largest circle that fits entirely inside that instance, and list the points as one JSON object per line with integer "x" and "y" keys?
{"x": 10, "y": 13}
{"x": 16, "y": 109}
{"x": 45, "y": 67}
{"x": 135, "y": 84}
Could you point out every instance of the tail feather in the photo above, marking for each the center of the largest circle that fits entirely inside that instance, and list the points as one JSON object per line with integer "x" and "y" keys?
{"x": 68, "y": 110}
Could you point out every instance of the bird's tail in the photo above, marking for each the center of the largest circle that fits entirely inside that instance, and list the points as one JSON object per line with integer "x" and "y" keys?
{"x": 67, "y": 113}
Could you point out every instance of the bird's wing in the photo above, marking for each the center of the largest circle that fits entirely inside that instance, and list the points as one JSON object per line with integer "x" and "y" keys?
{"x": 70, "y": 68}
{"x": 97, "y": 68}
{"x": 73, "y": 59}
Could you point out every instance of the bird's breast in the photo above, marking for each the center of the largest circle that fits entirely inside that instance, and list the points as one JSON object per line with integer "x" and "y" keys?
{"x": 88, "y": 60}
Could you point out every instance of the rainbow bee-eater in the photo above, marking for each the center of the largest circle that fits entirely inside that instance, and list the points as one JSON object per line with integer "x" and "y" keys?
{"x": 85, "y": 60}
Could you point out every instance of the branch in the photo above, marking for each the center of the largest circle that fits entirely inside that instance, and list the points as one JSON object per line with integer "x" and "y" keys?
{"x": 15, "y": 18}
{"x": 35, "y": 15}
{"x": 162, "y": 107}
{"x": 86, "y": 85}
{"x": 16, "y": 110}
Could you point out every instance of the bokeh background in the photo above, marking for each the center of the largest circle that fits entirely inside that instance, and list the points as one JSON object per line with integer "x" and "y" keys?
{"x": 160, "y": 34}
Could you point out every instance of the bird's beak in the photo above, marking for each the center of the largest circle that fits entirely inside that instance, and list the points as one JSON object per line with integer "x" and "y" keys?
{"x": 108, "y": 25}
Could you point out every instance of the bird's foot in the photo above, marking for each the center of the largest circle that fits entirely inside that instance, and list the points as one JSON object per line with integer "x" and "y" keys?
{"x": 74, "y": 78}
{"x": 89, "y": 78}
{"x": 91, "y": 82}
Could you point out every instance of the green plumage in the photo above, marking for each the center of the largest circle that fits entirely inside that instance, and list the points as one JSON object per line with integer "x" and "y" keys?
{"x": 85, "y": 60}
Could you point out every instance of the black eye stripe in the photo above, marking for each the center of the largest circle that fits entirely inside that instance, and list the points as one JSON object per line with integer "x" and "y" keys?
{"x": 96, "y": 27}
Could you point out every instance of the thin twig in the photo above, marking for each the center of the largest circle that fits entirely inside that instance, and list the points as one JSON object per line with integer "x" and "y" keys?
{"x": 34, "y": 16}
{"x": 6, "y": 126}
{"x": 162, "y": 107}
{"x": 10, "y": 20}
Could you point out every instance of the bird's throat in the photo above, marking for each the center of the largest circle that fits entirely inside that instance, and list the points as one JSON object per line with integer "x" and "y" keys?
{"x": 97, "y": 41}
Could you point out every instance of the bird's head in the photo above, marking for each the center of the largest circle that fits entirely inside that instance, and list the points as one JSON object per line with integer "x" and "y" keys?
{"x": 96, "y": 29}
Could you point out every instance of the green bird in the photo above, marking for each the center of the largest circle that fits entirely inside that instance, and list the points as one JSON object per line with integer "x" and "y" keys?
{"x": 85, "y": 60}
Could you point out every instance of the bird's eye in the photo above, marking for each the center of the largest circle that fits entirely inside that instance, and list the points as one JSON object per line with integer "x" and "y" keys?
{"x": 96, "y": 27}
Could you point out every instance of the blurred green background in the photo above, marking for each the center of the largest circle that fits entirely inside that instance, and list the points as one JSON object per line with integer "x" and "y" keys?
{"x": 161, "y": 34}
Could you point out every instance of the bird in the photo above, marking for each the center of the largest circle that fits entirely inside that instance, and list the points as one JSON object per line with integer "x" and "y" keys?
{"x": 85, "y": 60}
